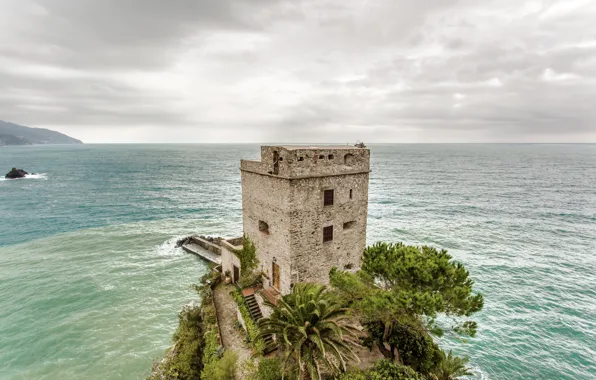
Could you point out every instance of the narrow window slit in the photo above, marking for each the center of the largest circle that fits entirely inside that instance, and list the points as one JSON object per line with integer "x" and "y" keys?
{"x": 327, "y": 234}
{"x": 328, "y": 198}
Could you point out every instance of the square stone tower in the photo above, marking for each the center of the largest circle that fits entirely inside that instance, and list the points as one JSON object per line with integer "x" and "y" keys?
{"x": 305, "y": 209}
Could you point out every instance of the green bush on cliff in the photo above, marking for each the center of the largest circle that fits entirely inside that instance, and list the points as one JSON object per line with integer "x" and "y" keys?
{"x": 196, "y": 342}
{"x": 211, "y": 351}
{"x": 184, "y": 360}
{"x": 383, "y": 370}
{"x": 222, "y": 369}
{"x": 270, "y": 369}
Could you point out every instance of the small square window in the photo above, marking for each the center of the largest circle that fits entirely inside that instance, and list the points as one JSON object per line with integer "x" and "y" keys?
{"x": 321, "y": 157}
{"x": 328, "y": 198}
{"x": 330, "y": 157}
{"x": 327, "y": 234}
{"x": 263, "y": 227}
{"x": 300, "y": 158}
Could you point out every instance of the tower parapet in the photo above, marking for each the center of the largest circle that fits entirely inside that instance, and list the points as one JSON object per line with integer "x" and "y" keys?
{"x": 309, "y": 161}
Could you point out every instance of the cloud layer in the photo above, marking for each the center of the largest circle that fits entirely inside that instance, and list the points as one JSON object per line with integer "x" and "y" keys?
{"x": 307, "y": 71}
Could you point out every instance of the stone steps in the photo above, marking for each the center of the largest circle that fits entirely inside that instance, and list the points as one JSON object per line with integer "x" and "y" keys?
{"x": 256, "y": 315}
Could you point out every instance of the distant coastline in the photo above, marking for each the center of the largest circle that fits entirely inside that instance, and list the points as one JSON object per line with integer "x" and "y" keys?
{"x": 14, "y": 134}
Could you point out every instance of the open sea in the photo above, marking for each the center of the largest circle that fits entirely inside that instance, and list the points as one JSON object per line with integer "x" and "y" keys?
{"x": 91, "y": 284}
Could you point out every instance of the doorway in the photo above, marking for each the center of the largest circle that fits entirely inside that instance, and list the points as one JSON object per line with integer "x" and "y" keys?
{"x": 236, "y": 274}
{"x": 275, "y": 273}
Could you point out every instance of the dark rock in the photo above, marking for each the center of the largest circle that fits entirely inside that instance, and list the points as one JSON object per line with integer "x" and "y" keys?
{"x": 16, "y": 173}
{"x": 183, "y": 241}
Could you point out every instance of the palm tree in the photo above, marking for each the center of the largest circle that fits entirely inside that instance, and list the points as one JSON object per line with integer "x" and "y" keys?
{"x": 313, "y": 332}
{"x": 451, "y": 367}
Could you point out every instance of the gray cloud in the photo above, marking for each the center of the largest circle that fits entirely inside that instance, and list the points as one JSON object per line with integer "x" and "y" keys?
{"x": 318, "y": 71}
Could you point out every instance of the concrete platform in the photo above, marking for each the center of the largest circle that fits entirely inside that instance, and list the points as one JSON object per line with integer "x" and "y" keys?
{"x": 203, "y": 253}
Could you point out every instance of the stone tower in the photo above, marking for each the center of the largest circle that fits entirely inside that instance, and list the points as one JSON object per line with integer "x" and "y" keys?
{"x": 305, "y": 209}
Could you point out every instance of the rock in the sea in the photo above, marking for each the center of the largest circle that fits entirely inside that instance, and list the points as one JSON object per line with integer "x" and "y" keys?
{"x": 16, "y": 173}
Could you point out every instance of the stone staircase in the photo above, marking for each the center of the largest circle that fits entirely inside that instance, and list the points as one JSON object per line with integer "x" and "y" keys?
{"x": 256, "y": 315}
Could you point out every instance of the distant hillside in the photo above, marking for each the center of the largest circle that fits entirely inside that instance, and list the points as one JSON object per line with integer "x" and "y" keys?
{"x": 32, "y": 135}
{"x": 13, "y": 140}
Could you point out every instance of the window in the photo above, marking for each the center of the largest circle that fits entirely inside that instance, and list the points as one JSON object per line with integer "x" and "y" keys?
{"x": 300, "y": 158}
{"x": 321, "y": 157}
{"x": 275, "y": 162}
{"x": 348, "y": 159}
{"x": 327, "y": 234}
{"x": 349, "y": 225}
{"x": 281, "y": 159}
{"x": 328, "y": 198}
{"x": 350, "y": 193}
{"x": 263, "y": 227}
{"x": 330, "y": 157}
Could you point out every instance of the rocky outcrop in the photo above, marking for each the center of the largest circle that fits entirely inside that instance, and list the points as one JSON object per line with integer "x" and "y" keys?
{"x": 183, "y": 241}
{"x": 16, "y": 173}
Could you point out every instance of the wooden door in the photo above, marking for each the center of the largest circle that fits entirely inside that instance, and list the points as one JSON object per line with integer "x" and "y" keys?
{"x": 275, "y": 272}
{"x": 236, "y": 274}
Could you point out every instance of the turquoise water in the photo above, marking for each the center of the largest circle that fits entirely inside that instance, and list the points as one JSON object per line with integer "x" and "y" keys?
{"x": 90, "y": 281}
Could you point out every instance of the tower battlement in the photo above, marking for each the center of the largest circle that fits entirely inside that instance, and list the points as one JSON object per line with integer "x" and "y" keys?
{"x": 295, "y": 162}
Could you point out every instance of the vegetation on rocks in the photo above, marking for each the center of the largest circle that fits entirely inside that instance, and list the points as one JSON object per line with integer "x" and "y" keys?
{"x": 184, "y": 360}
{"x": 384, "y": 370}
{"x": 392, "y": 303}
{"x": 265, "y": 369}
{"x": 450, "y": 367}
{"x": 398, "y": 295}
{"x": 196, "y": 353}
{"x": 221, "y": 369}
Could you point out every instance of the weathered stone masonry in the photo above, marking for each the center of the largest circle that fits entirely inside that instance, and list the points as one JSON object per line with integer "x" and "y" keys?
{"x": 284, "y": 213}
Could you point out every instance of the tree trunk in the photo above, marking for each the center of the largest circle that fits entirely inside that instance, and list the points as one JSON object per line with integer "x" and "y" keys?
{"x": 386, "y": 353}
{"x": 397, "y": 357}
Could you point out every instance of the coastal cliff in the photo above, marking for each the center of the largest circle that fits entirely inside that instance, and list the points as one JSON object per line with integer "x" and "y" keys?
{"x": 196, "y": 350}
{"x": 14, "y": 134}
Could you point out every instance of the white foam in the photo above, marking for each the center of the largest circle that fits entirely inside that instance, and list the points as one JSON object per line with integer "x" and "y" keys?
{"x": 168, "y": 248}
{"x": 43, "y": 176}
{"x": 108, "y": 287}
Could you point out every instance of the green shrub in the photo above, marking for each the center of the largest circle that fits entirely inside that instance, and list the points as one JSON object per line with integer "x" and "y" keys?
{"x": 270, "y": 369}
{"x": 383, "y": 370}
{"x": 211, "y": 350}
{"x": 184, "y": 362}
{"x": 222, "y": 369}
{"x": 247, "y": 256}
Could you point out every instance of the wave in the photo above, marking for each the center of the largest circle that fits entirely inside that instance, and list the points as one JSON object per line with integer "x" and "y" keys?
{"x": 43, "y": 176}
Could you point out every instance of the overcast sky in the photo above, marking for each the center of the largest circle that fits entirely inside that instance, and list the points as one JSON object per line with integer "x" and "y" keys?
{"x": 301, "y": 71}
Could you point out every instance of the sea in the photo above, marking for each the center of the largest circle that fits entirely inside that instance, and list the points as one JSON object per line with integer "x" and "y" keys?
{"x": 91, "y": 282}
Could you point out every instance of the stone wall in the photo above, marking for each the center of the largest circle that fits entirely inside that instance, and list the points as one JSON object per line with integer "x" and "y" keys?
{"x": 228, "y": 258}
{"x": 267, "y": 198}
{"x": 312, "y": 259}
{"x": 209, "y": 246}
